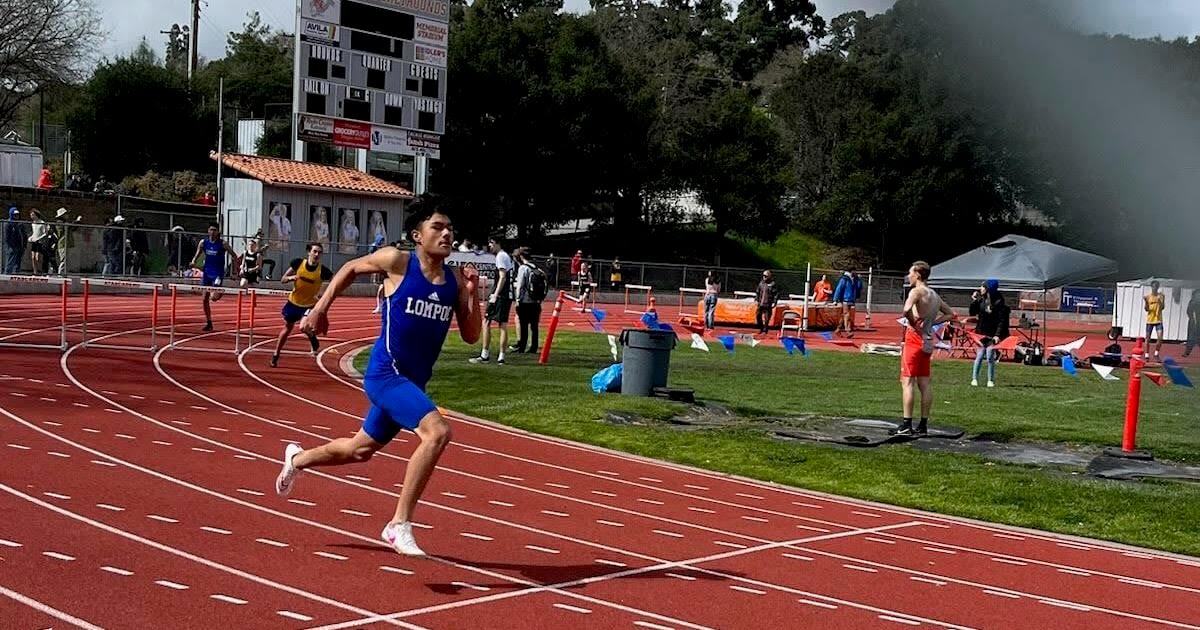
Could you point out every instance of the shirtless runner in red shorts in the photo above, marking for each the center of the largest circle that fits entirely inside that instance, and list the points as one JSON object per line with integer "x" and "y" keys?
{"x": 924, "y": 309}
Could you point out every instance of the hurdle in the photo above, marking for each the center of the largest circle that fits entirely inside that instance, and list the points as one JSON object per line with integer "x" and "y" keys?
{"x": 638, "y": 288}
{"x": 154, "y": 288}
{"x": 176, "y": 288}
{"x": 254, "y": 293}
{"x": 64, "y": 289}
{"x": 745, "y": 294}
{"x": 686, "y": 290}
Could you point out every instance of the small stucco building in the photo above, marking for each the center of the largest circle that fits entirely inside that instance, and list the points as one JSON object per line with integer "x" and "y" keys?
{"x": 295, "y": 203}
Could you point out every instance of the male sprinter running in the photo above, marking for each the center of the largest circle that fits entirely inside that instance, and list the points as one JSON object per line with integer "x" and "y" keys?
{"x": 309, "y": 274}
{"x": 422, "y": 293}
{"x": 213, "y": 249}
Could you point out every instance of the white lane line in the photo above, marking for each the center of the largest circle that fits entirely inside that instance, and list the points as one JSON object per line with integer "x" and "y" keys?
{"x": 136, "y": 397}
{"x": 1071, "y": 546}
{"x": 322, "y": 428}
{"x": 172, "y": 585}
{"x": 690, "y": 578}
{"x": 83, "y": 405}
{"x": 113, "y": 410}
{"x": 604, "y": 494}
{"x": 1001, "y": 594}
{"x": 117, "y": 571}
{"x": 501, "y": 503}
{"x": 125, "y": 436}
{"x": 245, "y": 457}
{"x": 511, "y": 478}
{"x": 1013, "y": 562}
{"x": 868, "y": 514}
{"x": 166, "y": 402}
{"x": 254, "y": 493}
{"x": 9, "y": 543}
{"x": 20, "y": 447}
{"x": 19, "y": 395}
{"x": 611, "y": 563}
{"x": 651, "y": 501}
{"x": 58, "y": 556}
{"x": 1074, "y": 572}
{"x": 1067, "y": 605}
{"x": 302, "y": 502}
{"x": 105, "y": 391}
{"x": 202, "y": 450}
{"x": 454, "y": 495}
{"x": 359, "y": 478}
{"x": 558, "y": 485}
{"x": 216, "y": 530}
{"x": 354, "y": 513}
{"x": 610, "y": 523}
{"x": 650, "y": 479}
{"x": 161, "y": 443}
{"x": 541, "y": 549}
{"x": 725, "y": 543}
{"x": 752, "y": 591}
{"x": 476, "y": 536}
{"x": 652, "y": 626}
{"x": 553, "y": 513}
{"x": 182, "y": 423}
{"x": 751, "y": 496}
{"x": 1137, "y": 582}
{"x": 809, "y": 602}
{"x": 755, "y": 519}
{"x": 57, "y": 454}
{"x": 688, "y": 485}
{"x": 91, "y": 430}
{"x": 268, "y": 541}
{"x": 882, "y": 541}
{"x": 421, "y": 525}
{"x": 43, "y": 608}
{"x": 917, "y": 578}
{"x": 253, "y": 435}
{"x": 385, "y": 567}
{"x": 110, "y": 508}
{"x": 1134, "y": 554}
{"x": 909, "y": 622}
{"x": 797, "y": 557}
{"x": 200, "y": 407}
{"x": 473, "y": 587}
{"x": 161, "y": 519}
{"x": 575, "y": 609}
{"x": 950, "y": 552}
{"x": 666, "y": 533}
{"x": 50, "y": 423}
{"x": 808, "y": 505}
{"x": 331, "y": 556}
{"x": 293, "y": 615}
{"x": 228, "y": 600}
{"x": 609, "y": 473}
{"x": 55, "y": 495}
{"x": 858, "y": 568}
{"x": 704, "y": 510}
{"x": 221, "y": 429}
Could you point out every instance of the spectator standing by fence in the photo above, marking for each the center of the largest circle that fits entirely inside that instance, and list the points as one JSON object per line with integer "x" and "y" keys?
{"x": 39, "y": 242}
{"x": 767, "y": 296}
{"x": 712, "y": 289}
{"x": 113, "y": 244}
{"x": 614, "y": 276}
{"x": 14, "y": 241}
{"x": 531, "y": 290}
{"x": 64, "y": 238}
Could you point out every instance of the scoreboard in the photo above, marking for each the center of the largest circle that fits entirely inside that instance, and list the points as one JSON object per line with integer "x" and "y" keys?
{"x": 372, "y": 74}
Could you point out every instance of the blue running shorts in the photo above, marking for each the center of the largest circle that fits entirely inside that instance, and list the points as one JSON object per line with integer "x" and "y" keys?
{"x": 396, "y": 403}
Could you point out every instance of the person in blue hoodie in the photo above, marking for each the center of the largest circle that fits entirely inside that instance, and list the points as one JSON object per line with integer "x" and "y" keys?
{"x": 14, "y": 241}
{"x": 848, "y": 289}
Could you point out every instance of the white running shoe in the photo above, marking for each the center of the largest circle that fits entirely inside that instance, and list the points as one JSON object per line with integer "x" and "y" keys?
{"x": 991, "y": 383}
{"x": 974, "y": 382}
{"x": 287, "y": 476}
{"x": 400, "y": 537}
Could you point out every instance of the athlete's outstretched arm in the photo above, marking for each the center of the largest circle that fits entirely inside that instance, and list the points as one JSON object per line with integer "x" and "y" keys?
{"x": 387, "y": 260}
{"x": 470, "y": 319}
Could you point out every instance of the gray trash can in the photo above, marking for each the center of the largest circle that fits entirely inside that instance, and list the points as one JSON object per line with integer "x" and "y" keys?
{"x": 646, "y": 360}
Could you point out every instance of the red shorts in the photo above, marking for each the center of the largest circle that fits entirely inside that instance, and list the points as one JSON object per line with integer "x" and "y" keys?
{"x": 914, "y": 362}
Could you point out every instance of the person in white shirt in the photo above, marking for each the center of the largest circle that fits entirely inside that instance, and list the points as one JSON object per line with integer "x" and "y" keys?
{"x": 499, "y": 303}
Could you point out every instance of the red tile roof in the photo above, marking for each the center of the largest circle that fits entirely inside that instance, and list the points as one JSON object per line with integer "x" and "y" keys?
{"x": 293, "y": 174}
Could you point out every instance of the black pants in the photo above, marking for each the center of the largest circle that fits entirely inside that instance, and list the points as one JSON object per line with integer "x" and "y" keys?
{"x": 762, "y": 317}
{"x": 528, "y": 314}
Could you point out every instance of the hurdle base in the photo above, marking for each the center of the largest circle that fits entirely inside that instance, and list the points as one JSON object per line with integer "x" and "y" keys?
{"x": 1138, "y": 454}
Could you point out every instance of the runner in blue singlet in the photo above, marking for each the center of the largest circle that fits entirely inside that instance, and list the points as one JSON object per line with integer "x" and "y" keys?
{"x": 213, "y": 249}
{"x": 422, "y": 293}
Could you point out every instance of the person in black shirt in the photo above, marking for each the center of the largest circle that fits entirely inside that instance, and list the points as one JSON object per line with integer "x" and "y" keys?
{"x": 252, "y": 264}
{"x": 992, "y": 326}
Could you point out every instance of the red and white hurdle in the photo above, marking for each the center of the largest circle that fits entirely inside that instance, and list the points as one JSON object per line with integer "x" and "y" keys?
{"x": 64, "y": 285}
{"x": 154, "y": 289}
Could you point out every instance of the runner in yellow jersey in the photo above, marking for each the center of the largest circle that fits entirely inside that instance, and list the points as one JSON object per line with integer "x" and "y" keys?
{"x": 1155, "y": 303}
{"x": 308, "y": 274}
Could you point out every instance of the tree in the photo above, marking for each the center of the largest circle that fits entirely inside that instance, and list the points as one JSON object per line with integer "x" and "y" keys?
{"x": 177, "y": 49}
{"x": 42, "y": 42}
{"x": 134, "y": 116}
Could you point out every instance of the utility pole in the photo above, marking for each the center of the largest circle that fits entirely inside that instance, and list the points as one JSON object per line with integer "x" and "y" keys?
{"x": 194, "y": 41}
{"x": 220, "y": 145}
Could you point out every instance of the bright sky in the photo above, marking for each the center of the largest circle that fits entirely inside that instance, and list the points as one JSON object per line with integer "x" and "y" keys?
{"x": 128, "y": 21}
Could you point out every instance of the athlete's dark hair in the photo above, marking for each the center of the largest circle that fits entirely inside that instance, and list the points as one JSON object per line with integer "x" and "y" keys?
{"x": 420, "y": 211}
{"x": 213, "y": 225}
{"x": 312, "y": 245}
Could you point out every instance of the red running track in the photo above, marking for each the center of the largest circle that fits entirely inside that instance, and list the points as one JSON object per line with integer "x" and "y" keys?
{"x": 137, "y": 489}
